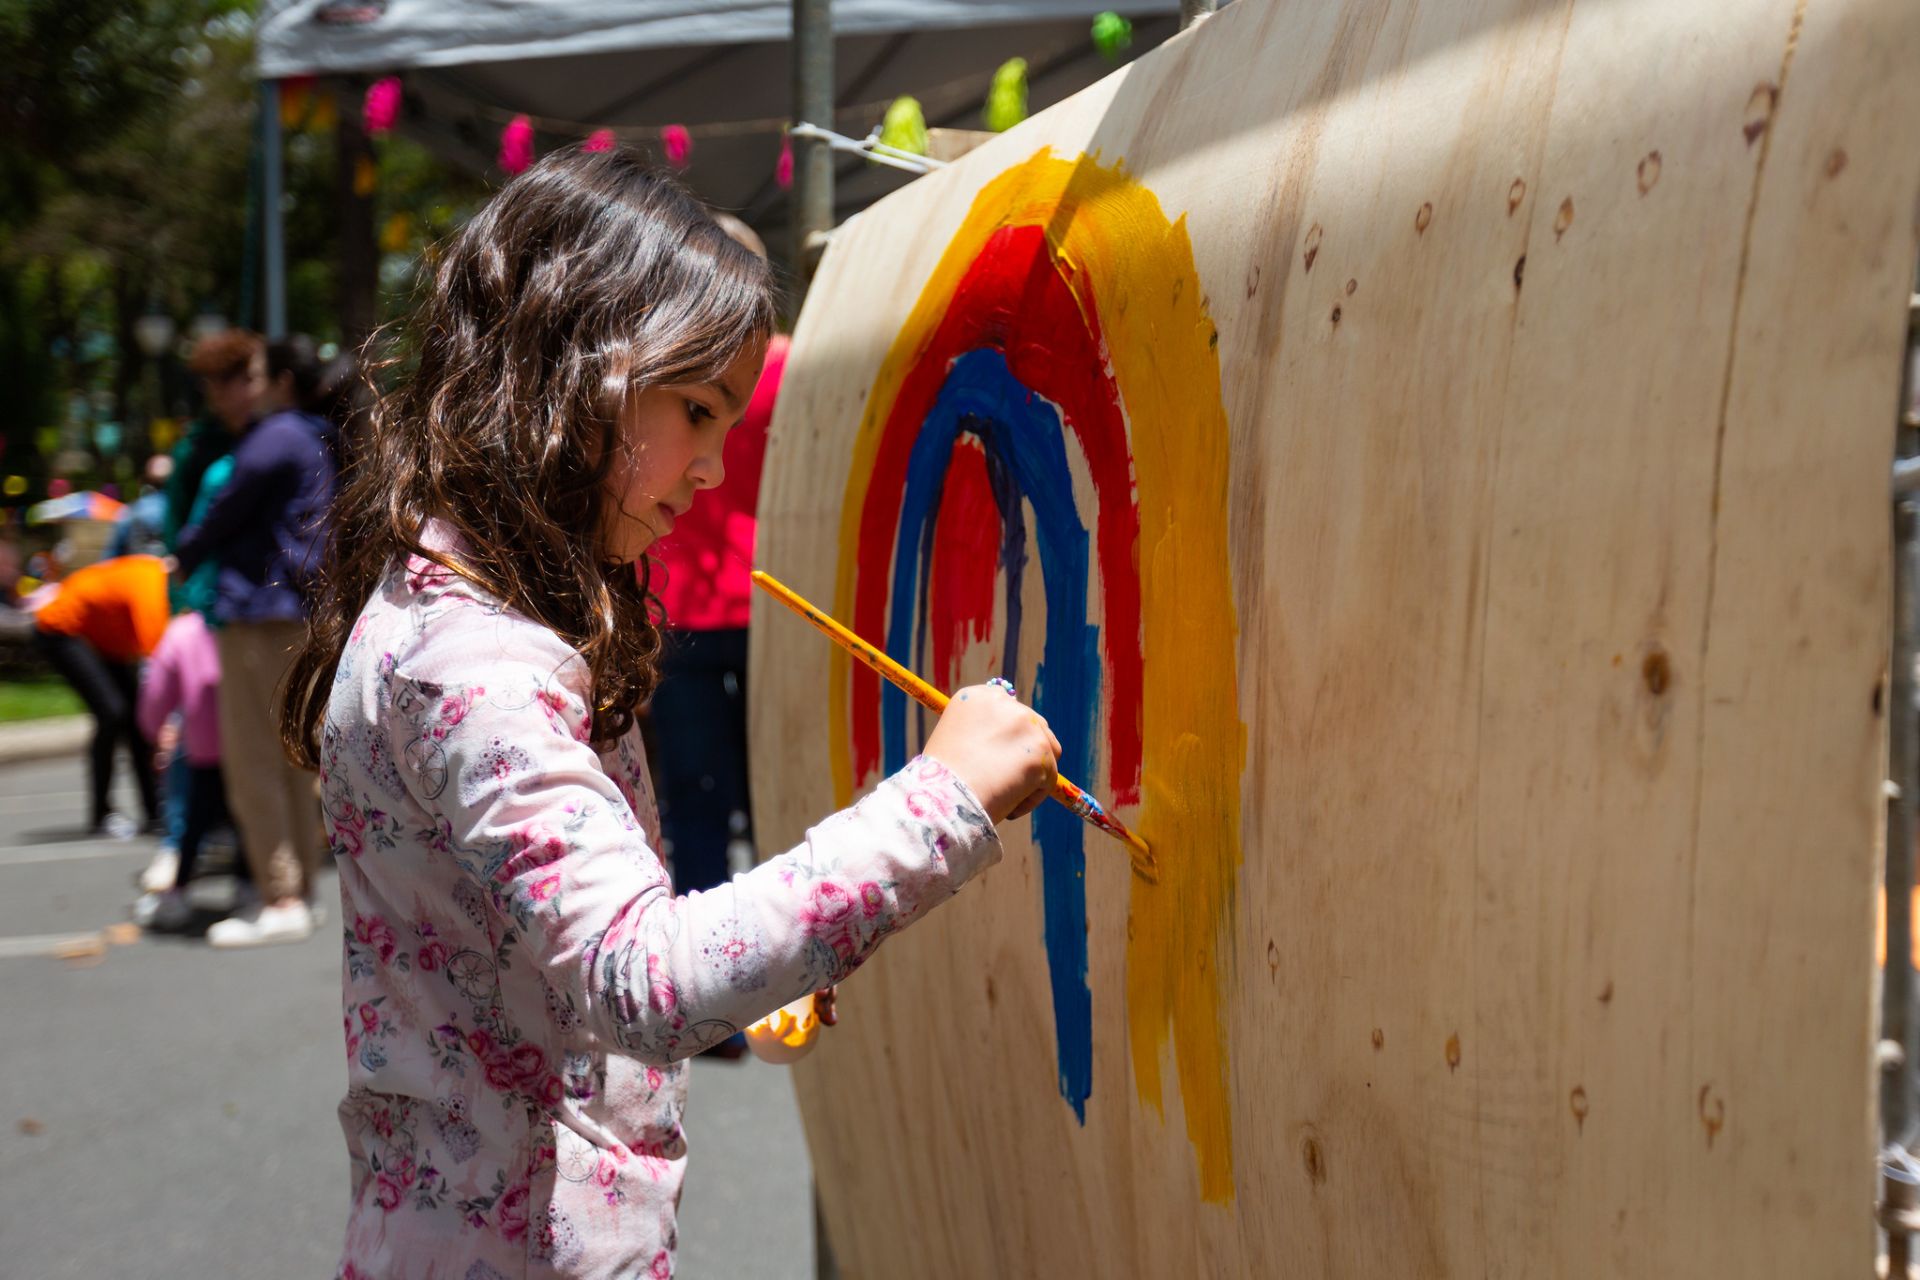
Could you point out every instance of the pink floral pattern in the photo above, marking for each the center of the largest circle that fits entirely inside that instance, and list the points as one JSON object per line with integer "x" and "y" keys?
{"x": 522, "y": 987}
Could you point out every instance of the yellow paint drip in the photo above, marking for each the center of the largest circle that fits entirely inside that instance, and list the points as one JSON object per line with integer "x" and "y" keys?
{"x": 1134, "y": 270}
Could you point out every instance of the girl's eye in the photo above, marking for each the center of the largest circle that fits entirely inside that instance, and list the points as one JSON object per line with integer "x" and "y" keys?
{"x": 697, "y": 413}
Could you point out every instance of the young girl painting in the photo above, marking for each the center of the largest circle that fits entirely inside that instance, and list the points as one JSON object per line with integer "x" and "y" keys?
{"x": 523, "y": 987}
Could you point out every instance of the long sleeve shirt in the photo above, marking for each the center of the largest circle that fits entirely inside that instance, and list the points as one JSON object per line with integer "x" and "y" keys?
{"x": 206, "y": 441}
{"x": 267, "y": 526}
{"x": 118, "y": 606}
{"x": 522, "y": 984}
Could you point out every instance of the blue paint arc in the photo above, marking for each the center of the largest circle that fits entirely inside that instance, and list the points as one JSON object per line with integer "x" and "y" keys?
{"x": 1025, "y": 444}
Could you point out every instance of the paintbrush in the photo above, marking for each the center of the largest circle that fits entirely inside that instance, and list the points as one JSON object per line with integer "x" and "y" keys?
{"x": 1088, "y": 808}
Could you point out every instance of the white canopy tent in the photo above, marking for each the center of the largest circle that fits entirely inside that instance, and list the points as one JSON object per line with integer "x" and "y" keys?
{"x": 723, "y": 70}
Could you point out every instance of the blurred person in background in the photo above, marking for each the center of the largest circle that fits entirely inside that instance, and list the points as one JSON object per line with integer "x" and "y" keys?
{"x": 266, "y": 528}
{"x": 700, "y": 705}
{"x": 141, "y": 528}
{"x": 232, "y": 368}
{"x": 344, "y": 399}
{"x": 180, "y": 694}
{"x": 98, "y": 625}
{"x": 12, "y": 569}
{"x": 182, "y": 679}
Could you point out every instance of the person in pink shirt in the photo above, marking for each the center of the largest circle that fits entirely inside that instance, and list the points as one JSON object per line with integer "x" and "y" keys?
{"x": 183, "y": 677}
{"x": 700, "y": 704}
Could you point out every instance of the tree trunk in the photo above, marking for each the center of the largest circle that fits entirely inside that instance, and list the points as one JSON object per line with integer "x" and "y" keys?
{"x": 129, "y": 292}
{"x": 357, "y": 278}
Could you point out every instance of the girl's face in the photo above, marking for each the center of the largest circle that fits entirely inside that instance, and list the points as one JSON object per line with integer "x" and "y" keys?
{"x": 672, "y": 439}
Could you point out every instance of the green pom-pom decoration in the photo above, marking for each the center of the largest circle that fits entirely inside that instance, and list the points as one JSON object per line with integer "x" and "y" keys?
{"x": 905, "y": 128}
{"x": 1112, "y": 34}
{"x": 1007, "y": 99}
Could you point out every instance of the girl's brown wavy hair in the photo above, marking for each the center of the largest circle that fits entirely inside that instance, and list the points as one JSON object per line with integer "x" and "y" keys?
{"x": 587, "y": 279}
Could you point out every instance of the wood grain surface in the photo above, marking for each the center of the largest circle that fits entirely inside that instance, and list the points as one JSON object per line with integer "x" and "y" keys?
{"x": 1557, "y": 349}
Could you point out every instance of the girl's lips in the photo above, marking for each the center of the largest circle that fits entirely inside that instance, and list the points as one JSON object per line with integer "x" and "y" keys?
{"x": 666, "y": 514}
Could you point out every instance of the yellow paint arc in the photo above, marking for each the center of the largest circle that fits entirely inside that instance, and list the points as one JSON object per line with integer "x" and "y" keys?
{"x": 1132, "y": 269}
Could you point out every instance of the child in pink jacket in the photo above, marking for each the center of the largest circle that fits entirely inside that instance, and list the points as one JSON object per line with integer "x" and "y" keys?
{"x": 183, "y": 677}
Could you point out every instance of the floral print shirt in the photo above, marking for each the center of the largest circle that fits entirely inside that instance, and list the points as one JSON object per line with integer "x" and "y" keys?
{"x": 522, "y": 985}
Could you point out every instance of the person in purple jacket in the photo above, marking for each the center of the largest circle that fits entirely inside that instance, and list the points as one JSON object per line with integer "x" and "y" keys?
{"x": 267, "y": 528}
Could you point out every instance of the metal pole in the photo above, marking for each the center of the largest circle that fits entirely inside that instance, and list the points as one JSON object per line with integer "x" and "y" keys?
{"x": 1900, "y": 1194}
{"x": 273, "y": 243}
{"x": 1191, "y": 11}
{"x": 245, "y": 312}
{"x": 812, "y": 158}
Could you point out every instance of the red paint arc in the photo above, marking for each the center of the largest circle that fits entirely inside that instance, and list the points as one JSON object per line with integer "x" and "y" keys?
{"x": 1014, "y": 299}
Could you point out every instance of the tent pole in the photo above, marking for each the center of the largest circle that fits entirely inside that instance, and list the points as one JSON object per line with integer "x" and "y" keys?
{"x": 273, "y": 243}
{"x": 812, "y": 159}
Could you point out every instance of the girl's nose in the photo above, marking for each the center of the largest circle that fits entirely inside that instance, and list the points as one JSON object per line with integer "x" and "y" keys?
{"x": 708, "y": 470}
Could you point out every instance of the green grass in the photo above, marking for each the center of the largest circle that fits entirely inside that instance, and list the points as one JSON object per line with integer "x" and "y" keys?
{"x": 37, "y": 698}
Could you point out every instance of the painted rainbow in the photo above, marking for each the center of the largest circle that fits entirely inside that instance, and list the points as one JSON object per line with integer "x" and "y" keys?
{"x": 1055, "y": 395}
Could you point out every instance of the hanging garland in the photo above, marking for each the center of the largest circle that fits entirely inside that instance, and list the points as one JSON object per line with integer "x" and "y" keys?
{"x": 516, "y": 145}
{"x": 904, "y": 125}
{"x": 905, "y": 128}
{"x": 380, "y": 110}
{"x": 678, "y": 145}
{"x": 1111, "y": 35}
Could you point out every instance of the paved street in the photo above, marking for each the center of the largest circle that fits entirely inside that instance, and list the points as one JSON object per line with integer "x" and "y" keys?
{"x": 166, "y": 1110}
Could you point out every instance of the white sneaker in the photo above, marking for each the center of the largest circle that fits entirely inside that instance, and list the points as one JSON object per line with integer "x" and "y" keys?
{"x": 117, "y": 826}
{"x": 167, "y": 912}
{"x": 263, "y": 926}
{"x": 162, "y": 871}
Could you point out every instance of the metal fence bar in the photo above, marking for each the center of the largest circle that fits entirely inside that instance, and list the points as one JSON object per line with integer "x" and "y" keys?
{"x": 1900, "y": 1190}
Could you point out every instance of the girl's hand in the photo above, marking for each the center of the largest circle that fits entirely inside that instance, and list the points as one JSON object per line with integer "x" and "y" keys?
{"x": 999, "y": 747}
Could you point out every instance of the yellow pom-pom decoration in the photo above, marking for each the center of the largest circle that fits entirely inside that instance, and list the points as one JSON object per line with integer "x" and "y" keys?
{"x": 905, "y": 128}
{"x": 1007, "y": 98}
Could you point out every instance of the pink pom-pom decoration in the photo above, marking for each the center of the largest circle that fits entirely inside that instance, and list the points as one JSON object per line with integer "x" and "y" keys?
{"x": 516, "y": 145}
{"x": 382, "y": 106}
{"x": 678, "y": 144}
{"x": 783, "y": 167}
{"x": 598, "y": 140}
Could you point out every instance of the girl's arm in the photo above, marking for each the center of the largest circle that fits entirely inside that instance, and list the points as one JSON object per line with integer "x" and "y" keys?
{"x": 528, "y": 811}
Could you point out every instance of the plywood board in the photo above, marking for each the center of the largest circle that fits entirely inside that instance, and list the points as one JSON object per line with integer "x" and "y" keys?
{"x": 1429, "y": 461}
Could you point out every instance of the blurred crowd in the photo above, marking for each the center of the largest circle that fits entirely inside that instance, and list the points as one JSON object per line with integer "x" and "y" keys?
{"x": 177, "y": 638}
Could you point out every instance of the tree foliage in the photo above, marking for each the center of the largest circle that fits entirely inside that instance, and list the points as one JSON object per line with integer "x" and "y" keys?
{"x": 127, "y": 131}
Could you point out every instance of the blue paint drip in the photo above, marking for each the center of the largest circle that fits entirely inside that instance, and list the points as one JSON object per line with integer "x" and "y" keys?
{"x": 1026, "y": 459}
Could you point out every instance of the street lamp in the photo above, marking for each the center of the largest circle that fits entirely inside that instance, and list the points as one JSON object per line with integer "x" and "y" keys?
{"x": 206, "y": 324}
{"x": 154, "y": 332}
